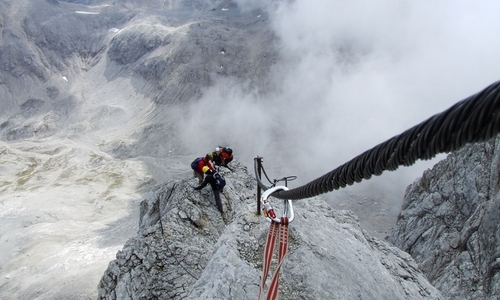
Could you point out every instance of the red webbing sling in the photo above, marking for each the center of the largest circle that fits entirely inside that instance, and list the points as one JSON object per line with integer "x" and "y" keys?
{"x": 277, "y": 226}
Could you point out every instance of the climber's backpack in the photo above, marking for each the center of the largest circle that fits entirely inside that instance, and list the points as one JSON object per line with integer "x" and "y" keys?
{"x": 194, "y": 164}
{"x": 227, "y": 154}
{"x": 220, "y": 182}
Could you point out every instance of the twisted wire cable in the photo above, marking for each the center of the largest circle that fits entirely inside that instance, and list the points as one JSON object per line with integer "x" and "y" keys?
{"x": 474, "y": 119}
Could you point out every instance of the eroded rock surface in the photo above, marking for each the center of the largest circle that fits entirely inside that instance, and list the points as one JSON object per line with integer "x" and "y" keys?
{"x": 449, "y": 223}
{"x": 186, "y": 249}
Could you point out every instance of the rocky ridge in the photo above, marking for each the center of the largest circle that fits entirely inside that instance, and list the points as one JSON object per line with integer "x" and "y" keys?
{"x": 186, "y": 249}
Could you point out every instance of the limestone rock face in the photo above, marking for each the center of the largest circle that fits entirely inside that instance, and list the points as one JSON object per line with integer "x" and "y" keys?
{"x": 449, "y": 223}
{"x": 187, "y": 249}
{"x": 168, "y": 53}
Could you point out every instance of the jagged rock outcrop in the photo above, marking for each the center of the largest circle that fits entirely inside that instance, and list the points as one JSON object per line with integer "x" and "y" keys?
{"x": 449, "y": 223}
{"x": 186, "y": 249}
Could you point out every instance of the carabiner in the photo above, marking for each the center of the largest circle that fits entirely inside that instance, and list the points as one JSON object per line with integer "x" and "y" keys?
{"x": 268, "y": 209}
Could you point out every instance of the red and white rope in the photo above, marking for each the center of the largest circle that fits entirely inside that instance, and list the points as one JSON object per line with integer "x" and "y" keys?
{"x": 275, "y": 227}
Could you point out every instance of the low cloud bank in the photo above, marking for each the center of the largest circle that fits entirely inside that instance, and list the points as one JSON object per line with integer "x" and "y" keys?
{"x": 352, "y": 76}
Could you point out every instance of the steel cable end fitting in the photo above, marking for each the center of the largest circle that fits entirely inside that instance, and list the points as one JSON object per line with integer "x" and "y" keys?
{"x": 268, "y": 209}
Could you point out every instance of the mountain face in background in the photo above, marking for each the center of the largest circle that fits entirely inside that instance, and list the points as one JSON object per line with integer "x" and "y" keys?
{"x": 93, "y": 96}
{"x": 58, "y": 60}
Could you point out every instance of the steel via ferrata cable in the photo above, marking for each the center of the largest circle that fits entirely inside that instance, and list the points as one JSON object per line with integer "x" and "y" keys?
{"x": 474, "y": 119}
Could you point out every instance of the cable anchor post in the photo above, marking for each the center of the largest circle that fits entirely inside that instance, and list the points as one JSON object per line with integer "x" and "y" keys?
{"x": 258, "y": 159}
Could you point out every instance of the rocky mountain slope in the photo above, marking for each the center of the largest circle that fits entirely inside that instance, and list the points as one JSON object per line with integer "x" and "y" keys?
{"x": 449, "y": 223}
{"x": 187, "y": 249}
{"x": 58, "y": 60}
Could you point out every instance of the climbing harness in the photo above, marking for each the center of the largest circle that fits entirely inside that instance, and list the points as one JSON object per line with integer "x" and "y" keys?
{"x": 278, "y": 225}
